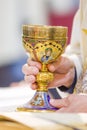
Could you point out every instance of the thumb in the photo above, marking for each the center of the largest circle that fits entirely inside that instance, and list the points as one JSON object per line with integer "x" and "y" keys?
{"x": 54, "y": 66}
{"x": 61, "y": 65}
{"x": 59, "y": 103}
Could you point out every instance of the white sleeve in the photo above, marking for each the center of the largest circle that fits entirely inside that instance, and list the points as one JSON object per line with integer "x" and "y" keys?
{"x": 73, "y": 49}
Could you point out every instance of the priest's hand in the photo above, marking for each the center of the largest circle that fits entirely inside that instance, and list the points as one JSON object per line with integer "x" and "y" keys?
{"x": 72, "y": 104}
{"x": 63, "y": 70}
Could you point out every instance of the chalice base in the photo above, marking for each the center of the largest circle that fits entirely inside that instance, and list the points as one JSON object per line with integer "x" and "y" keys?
{"x": 39, "y": 103}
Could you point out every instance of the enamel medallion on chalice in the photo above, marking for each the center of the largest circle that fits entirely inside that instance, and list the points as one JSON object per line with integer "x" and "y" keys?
{"x": 44, "y": 44}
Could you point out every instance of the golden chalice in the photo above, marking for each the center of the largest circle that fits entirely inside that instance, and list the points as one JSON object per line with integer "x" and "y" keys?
{"x": 44, "y": 44}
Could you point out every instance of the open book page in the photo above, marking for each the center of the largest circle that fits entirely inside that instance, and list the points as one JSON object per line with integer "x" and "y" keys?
{"x": 51, "y": 121}
{"x": 76, "y": 121}
{"x": 7, "y": 123}
{"x": 30, "y": 120}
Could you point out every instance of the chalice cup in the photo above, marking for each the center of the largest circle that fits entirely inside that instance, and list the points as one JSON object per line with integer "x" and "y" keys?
{"x": 44, "y": 44}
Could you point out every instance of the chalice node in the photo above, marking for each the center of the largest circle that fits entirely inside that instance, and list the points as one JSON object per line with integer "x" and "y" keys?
{"x": 44, "y": 44}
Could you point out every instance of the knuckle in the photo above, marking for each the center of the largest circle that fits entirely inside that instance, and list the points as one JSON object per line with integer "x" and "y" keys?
{"x": 24, "y": 68}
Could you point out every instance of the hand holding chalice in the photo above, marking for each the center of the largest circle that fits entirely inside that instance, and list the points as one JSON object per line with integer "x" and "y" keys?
{"x": 44, "y": 44}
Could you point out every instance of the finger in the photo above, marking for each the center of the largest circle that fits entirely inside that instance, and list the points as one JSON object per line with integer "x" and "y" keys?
{"x": 62, "y": 79}
{"x": 59, "y": 103}
{"x": 61, "y": 65}
{"x": 63, "y": 110}
{"x": 53, "y": 66}
{"x": 30, "y": 70}
{"x": 30, "y": 79}
{"x": 69, "y": 109}
{"x": 34, "y": 63}
{"x": 34, "y": 86}
{"x": 67, "y": 79}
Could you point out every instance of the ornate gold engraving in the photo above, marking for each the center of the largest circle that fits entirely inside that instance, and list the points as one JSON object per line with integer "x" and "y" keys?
{"x": 44, "y": 44}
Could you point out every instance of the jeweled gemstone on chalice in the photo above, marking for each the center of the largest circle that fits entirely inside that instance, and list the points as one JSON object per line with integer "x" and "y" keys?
{"x": 44, "y": 44}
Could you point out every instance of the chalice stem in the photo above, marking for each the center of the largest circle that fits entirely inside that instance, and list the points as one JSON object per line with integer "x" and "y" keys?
{"x": 45, "y": 44}
{"x": 44, "y": 67}
{"x": 44, "y": 78}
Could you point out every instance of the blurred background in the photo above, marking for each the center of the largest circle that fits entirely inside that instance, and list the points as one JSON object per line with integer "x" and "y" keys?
{"x": 15, "y": 13}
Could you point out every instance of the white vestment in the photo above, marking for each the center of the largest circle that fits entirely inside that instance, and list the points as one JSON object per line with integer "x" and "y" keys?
{"x": 77, "y": 50}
